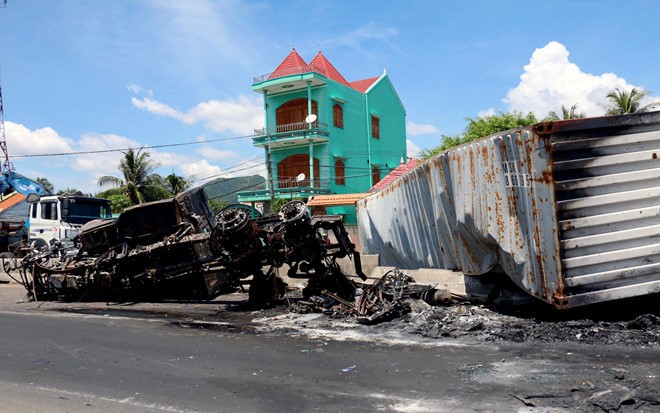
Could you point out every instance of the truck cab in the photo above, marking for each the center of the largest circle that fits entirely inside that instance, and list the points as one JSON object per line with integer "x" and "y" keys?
{"x": 60, "y": 217}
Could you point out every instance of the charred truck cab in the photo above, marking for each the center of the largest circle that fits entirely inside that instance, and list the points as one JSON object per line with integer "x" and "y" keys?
{"x": 60, "y": 217}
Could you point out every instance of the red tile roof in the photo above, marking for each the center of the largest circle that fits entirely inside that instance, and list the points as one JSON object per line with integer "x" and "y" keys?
{"x": 292, "y": 64}
{"x": 320, "y": 62}
{"x": 394, "y": 175}
{"x": 364, "y": 84}
{"x": 10, "y": 201}
{"x": 335, "y": 200}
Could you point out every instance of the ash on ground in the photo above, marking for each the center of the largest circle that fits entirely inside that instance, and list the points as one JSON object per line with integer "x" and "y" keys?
{"x": 594, "y": 326}
{"x": 395, "y": 301}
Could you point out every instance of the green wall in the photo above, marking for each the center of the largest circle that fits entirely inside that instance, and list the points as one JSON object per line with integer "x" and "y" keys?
{"x": 353, "y": 142}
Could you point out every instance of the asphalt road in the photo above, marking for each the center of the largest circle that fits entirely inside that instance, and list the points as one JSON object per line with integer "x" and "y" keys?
{"x": 53, "y": 361}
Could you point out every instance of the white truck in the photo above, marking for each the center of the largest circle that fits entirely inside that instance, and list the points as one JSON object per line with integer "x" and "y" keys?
{"x": 60, "y": 217}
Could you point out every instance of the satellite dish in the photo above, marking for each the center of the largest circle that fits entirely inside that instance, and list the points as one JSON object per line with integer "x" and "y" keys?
{"x": 310, "y": 118}
{"x": 300, "y": 178}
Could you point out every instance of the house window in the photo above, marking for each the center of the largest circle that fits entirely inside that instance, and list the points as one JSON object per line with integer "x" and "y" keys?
{"x": 375, "y": 127}
{"x": 338, "y": 116}
{"x": 340, "y": 173}
{"x": 375, "y": 175}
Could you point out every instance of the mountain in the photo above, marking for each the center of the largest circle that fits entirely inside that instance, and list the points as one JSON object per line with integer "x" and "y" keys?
{"x": 225, "y": 189}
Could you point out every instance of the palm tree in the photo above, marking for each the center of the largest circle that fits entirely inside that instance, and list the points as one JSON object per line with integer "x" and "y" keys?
{"x": 175, "y": 183}
{"x": 622, "y": 102}
{"x": 571, "y": 113}
{"x": 70, "y": 191}
{"x": 139, "y": 177}
{"x": 46, "y": 185}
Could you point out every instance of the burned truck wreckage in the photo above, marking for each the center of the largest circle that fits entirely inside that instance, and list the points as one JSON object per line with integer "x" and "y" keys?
{"x": 176, "y": 247}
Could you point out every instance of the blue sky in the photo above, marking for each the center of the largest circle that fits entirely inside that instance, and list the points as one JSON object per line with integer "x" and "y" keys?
{"x": 91, "y": 75}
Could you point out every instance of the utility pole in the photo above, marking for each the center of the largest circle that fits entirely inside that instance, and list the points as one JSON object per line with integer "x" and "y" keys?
{"x": 269, "y": 165}
{"x": 6, "y": 164}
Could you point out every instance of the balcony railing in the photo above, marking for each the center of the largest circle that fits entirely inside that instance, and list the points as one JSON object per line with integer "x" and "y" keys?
{"x": 288, "y": 72}
{"x": 291, "y": 184}
{"x": 285, "y": 188}
{"x": 292, "y": 127}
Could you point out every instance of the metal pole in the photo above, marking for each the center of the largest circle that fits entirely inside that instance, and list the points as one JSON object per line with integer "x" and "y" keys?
{"x": 270, "y": 172}
{"x": 311, "y": 140}
{"x": 269, "y": 165}
{"x": 366, "y": 108}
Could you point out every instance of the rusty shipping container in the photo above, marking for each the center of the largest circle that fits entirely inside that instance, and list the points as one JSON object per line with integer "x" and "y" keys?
{"x": 570, "y": 210}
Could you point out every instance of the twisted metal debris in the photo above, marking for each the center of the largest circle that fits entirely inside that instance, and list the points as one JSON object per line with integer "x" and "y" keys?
{"x": 175, "y": 246}
{"x": 387, "y": 298}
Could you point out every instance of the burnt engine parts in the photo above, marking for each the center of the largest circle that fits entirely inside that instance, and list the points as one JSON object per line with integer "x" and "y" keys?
{"x": 177, "y": 245}
{"x": 245, "y": 246}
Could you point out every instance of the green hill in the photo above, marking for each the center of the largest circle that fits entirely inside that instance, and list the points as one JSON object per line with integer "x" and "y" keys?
{"x": 225, "y": 189}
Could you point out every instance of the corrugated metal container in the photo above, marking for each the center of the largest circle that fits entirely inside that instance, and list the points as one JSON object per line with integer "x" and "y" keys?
{"x": 570, "y": 210}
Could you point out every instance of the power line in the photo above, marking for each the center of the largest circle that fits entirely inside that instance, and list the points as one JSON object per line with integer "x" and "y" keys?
{"x": 254, "y": 185}
{"x": 234, "y": 169}
{"x": 168, "y": 145}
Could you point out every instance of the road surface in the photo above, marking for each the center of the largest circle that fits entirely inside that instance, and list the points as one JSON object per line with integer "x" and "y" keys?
{"x": 102, "y": 361}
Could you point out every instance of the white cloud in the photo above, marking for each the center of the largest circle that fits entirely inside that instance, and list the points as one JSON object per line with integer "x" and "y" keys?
{"x": 102, "y": 163}
{"x": 366, "y": 32}
{"x": 486, "y": 113}
{"x": 166, "y": 159}
{"x": 550, "y": 80}
{"x": 212, "y": 153}
{"x": 420, "y": 129}
{"x": 205, "y": 33}
{"x": 23, "y": 141}
{"x": 137, "y": 89}
{"x": 239, "y": 116}
{"x": 411, "y": 149}
{"x": 201, "y": 170}
{"x": 160, "y": 109}
{"x": 250, "y": 167}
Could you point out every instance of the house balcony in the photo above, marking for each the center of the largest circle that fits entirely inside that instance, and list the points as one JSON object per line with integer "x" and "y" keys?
{"x": 288, "y": 80}
{"x": 301, "y": 70}
{"x": 287, "y": 188}
{"x": 291, "y": 134}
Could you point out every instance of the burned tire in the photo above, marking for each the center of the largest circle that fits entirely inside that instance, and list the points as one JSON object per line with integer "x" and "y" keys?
{"x": 332, "y": 280}
{"x": 266, "y": 290}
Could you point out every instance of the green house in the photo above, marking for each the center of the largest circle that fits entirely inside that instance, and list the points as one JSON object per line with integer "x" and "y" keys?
{"x": 323, "y": 134}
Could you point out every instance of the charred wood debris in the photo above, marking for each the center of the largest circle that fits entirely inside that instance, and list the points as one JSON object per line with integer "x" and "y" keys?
{"x": 177, "y": 248}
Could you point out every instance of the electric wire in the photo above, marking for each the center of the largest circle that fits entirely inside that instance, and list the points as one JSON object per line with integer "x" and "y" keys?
{"x": 98, "y": 151}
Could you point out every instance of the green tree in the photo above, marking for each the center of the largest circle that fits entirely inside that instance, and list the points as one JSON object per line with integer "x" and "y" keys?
{"x": 45, "y": 183}
{"x": 140, "y": 183}
{"x": 70, "y": 191}
{"x": 119, "y": 203}
{"x": 157, "y": 190}
{"x": 481, "y": 127}
{"x": 217, "y": 205}
{"x": 621, "y": 102}
{"x": 277, "y": 204}
{"x": 566, "y": 113}
{"x": 446, "y": 143}
{"x": 175, "y": 184}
